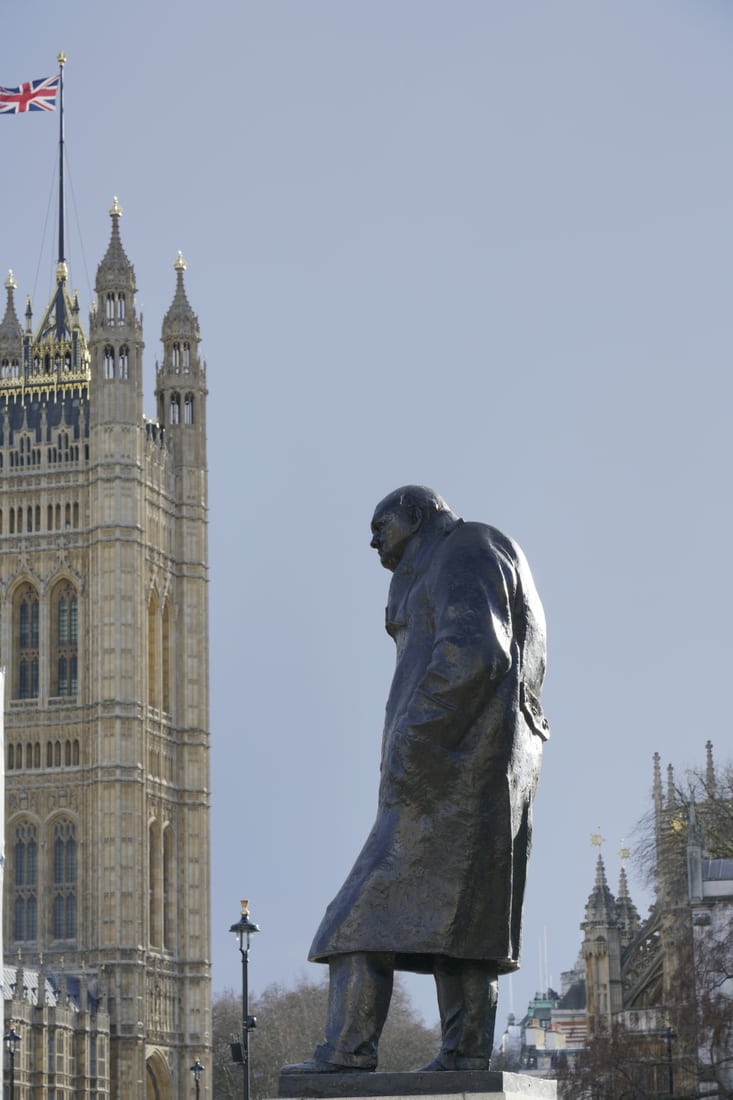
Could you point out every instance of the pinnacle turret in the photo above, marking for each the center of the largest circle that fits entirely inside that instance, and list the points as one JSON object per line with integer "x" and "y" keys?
{"x": 626, "y": 912}
{"x": 115, "y": 272}
{"x": 601, "y": 907}
{"x": 11, "y": 333}
{"x": 180, "y": 322}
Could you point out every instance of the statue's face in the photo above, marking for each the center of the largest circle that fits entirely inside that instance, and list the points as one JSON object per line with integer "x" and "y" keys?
{"x": 392, "y": 528}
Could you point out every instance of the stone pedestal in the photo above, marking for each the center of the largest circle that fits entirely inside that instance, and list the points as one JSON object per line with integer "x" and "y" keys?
{"x": 446, "y": 1086}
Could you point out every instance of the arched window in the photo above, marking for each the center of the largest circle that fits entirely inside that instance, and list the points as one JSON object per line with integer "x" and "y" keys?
{"x": 109, "y": 361}
{"x": 175, "y": 408}
{"x": 176, "y": 352}
{"x": 122, "y": 366}
{"x": 64, "y": 880}
{"x": 154, "y": 883}
{"x": 186, "y": 356}
{"x": 153, "y": 660}
{"x": 188, "y": 409}
{"x": 64, "y": 622}
{"x": 110, "y": 304}
{"x": 26, "y": 639}
{"x": 165, "y": 658}
{"x": 169, "y": 889}
{"x": 26, "y": 882}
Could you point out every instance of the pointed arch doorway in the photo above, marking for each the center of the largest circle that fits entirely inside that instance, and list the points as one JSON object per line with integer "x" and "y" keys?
{"x": 159, "y": 1085}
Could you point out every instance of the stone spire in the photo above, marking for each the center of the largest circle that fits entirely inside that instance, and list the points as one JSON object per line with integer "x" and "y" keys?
{"x": 601, "y": 907}
{"x": 671, "y": 793}
{"x": 626, "y": 912}
{"x": 709, "y": 769}
{"x": 180, "y": 322}
{"x": 115, "y": 272}
{"x": 11, "y": 332}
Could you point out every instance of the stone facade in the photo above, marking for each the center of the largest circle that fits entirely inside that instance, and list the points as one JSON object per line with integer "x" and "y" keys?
{"x": 104, "y": 635}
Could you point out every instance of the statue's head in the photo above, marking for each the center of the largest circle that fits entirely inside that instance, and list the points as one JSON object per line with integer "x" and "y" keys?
{"x": 399, "y": 517}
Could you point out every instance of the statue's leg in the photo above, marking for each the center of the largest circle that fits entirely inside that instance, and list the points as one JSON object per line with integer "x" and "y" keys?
{"x": 360, "y": 989}
{"x": 468, "y": 992}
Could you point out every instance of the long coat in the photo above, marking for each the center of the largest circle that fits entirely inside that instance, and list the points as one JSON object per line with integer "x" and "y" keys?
{"x": 443, "y": 869}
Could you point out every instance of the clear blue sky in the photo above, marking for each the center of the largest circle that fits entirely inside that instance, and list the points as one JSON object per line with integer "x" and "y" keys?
{"x": 485, "y": 246}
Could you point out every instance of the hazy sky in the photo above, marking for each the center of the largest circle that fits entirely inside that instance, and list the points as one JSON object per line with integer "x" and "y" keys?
{"x": 484, "y": 246}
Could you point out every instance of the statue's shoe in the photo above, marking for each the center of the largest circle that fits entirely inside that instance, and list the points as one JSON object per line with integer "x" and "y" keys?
{"x": 320, "y": 1065}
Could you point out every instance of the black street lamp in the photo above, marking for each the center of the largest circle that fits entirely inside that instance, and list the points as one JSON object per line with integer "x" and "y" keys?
{"x": 669, "y": 1035}
{"x": 244, "y": 929}
{"x": 196, "y": 1070}
{"x": 11, "y": 1038}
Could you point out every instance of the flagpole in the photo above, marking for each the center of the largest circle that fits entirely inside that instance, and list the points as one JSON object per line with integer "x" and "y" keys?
{"x": 61, "y": 266}
{"x": 62, "y": 62}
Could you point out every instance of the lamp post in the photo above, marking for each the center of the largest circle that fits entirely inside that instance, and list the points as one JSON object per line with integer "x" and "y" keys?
{"x": 669, "y": 1035}
{"x": 196, "y": 1070}
{"x": 243, "y": 929}
{"x": 11, "y": 1038}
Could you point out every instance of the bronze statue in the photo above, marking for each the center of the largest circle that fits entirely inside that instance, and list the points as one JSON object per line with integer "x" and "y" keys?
{"x": 439, "y": 884}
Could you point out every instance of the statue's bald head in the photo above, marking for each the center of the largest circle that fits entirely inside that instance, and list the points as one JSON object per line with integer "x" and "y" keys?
{"x": 400, "y": 515}
{"x": 414, "y": 496}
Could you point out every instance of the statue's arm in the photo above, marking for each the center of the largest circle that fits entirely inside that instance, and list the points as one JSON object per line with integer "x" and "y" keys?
{"x": 472, "y": 650}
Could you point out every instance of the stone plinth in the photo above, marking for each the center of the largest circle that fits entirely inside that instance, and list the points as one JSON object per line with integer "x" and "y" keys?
{"x": 444, "y": 1085}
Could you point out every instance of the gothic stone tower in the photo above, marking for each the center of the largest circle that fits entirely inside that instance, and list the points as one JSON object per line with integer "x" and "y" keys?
{"x": 104, "y": 634}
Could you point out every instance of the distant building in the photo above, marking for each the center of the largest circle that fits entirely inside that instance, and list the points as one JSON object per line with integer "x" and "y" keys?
{"x": 64, "y": 1047}
{"x": 663, "y": 980}
{"x": 104, "y": 635}
{"x": 656, "y": 994}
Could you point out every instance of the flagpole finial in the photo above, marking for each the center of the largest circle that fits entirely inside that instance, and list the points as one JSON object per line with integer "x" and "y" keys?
{"x": 61, "y": 58}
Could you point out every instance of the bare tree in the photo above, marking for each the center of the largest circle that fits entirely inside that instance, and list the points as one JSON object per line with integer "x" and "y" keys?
{"x": 289, "y": 1026}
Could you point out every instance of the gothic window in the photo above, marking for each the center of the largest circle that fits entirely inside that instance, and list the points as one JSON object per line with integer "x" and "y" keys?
{"x": 65, "y": 647}
{"x": 121, "y": 308}
{"x": 26, "y": 638}
{"x": 110, "y": 304}
{"x": 153, "y": 697}
{"x": 186, "y": 356}
{"x": 176, "y": 353}
{"x": 169, "y": 891}
{"x": 154, "y": 883}
{"x": 109, "y": 362}
{"x": 165, "y": 659}
{"x": 123, "y": 362}
{"x": 26, "y": 882}
{"x": 64, "y": 880}
{"x": 188, "y": 409}
{"x": 175, "y": 408}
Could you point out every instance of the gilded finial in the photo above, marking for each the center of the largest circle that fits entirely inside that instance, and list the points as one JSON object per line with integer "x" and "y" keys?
{"x": 180, "y": 264}
{"x": 61, "y": 58}
{"x": 624, "y": 852}
{"x": 596, "y": 839}
{"x": 10, "y": 283}
{"x": 115, "y": 209}
{"x": 245, "y": 901}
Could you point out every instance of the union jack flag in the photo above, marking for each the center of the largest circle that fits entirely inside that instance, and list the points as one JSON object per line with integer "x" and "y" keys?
{"x": 34, "y": 95}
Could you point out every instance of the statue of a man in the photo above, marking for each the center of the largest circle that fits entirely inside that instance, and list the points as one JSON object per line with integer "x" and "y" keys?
{"x": 439, "y": 884}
